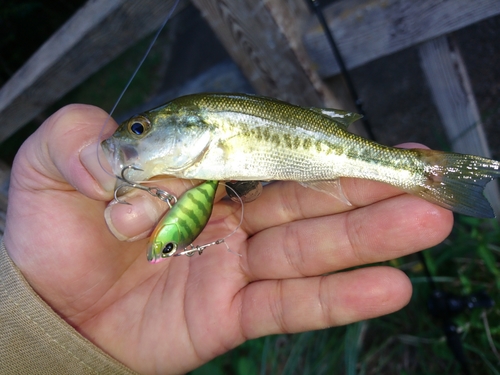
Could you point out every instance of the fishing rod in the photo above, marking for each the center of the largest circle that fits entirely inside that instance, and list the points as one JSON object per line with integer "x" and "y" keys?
{"x": 317, "y": 7}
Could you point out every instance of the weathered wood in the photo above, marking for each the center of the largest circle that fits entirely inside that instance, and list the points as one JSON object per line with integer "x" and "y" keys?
{"x": 223, "y": 77}
{"x": 263, "y": 38}
{"x": 97, "y": 33}
{"x": 449, "y": 83}
{"x": 368, "y": 29}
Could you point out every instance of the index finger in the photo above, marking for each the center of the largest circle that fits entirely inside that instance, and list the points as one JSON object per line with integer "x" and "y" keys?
{"x": 282, "y": 202}
{"x": 378, "y": 232}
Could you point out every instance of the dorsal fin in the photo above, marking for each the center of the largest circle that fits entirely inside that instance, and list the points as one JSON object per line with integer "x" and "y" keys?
{"x": 342, "y": 117}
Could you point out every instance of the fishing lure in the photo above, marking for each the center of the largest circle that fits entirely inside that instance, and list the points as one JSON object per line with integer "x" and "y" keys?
{"x": 183, "y": 223}
{"x": 248, "y": 137}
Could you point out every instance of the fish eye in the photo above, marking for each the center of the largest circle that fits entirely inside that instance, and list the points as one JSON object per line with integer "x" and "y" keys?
{"x": 169, "y": 250}
{"x": 139, "y": 126}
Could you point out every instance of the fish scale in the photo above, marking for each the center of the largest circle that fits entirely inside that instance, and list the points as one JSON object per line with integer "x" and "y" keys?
{"x": 250, "y": 138}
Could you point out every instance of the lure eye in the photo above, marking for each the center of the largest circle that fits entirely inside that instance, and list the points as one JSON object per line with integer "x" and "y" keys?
{"x": 169, "y": 250}
{"x": 139, "y": 126}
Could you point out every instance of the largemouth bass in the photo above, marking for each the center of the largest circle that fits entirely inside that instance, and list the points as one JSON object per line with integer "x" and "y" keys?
{"x": 247, "y": 137}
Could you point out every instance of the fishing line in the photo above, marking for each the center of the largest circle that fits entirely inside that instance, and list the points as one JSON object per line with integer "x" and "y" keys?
{"x": 99, "y": 138}
{"x": 241, "y": 216}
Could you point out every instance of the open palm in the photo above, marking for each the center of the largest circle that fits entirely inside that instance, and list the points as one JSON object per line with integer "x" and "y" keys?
{"x": 174, "y": 316}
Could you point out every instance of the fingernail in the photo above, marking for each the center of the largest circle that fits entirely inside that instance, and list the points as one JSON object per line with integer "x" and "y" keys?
{"x": 133, "y": 221}
{"x": 93, "y": 159}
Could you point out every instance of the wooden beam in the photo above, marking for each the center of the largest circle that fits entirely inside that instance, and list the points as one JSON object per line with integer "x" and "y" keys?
{"x": 95, "y": 35}
{"x": 451, "y": 89}
{"x": 264, "y": 38}
{"x": 366, "y": 30}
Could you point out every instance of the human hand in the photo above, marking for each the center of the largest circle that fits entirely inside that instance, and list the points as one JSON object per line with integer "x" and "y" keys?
{"x": 173, "y": 316}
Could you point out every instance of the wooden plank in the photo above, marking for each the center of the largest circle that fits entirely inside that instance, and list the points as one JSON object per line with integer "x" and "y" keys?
{"x": 369, "y": 29}
{"x": 97, "y": 33}
{"x": 263, "y": 38}
{"x": 451, "y": 89}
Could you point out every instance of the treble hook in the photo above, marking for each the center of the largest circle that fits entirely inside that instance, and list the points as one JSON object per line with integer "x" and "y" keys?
{"x": 192, "y": 249}
{"x": 163, "y": 195}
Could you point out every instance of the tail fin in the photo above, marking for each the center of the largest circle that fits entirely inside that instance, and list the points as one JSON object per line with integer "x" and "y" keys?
{"x": 457, "y": 181}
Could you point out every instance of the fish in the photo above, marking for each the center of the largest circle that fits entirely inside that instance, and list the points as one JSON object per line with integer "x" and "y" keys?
{"x": 243, "y": 137}
{"x": 183, "y": 223}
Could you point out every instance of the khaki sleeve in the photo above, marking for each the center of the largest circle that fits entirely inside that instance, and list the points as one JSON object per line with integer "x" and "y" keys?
{"x": 35, "y": 340}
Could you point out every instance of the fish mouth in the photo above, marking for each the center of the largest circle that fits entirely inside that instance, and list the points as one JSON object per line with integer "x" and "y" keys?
{"x": 119, "y": 157}
{"x": 109, "y": 149}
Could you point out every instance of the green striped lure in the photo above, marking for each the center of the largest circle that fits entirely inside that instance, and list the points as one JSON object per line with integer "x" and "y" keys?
{"x": 183, "y": 223}
{"x": 180, "y": 226}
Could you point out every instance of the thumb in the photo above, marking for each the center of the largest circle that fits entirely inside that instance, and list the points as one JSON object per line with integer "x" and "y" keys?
{"x": 47, "y": 178}
{"x": 135, "y": 219}
{"x": 64, "y": 153}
